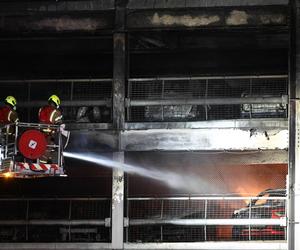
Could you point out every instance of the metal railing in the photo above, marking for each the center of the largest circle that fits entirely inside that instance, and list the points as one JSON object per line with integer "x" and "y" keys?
{"x": 55, "y": 219}
{"x": 83, "y": 100}
{"x": 7, "y": 143}
{"x": 206, "y": 98}
{"x": 10, "y": 135}
{"x": 159, "y": 98}
{"x": 194, "y": 219}
{"x": 172, "y": 219}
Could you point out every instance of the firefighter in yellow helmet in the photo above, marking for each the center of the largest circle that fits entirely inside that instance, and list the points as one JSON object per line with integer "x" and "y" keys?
{"x": 51, "y": 114}
{"x": 8, "y": 117}
{"x": 8, "y": 112}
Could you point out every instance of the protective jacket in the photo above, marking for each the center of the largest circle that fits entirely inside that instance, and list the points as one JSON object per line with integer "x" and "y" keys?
{"x": 8, "y": 115}
{"x": 50, "y": 115}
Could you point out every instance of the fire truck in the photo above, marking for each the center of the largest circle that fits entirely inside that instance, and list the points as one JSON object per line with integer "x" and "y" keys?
{"x": 31, "y": 150}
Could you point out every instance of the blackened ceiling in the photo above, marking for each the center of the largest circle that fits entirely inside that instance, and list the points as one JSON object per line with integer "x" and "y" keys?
{"x": 73, "y": 39}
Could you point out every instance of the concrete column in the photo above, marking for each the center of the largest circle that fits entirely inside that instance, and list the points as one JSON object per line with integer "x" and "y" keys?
{"x": 120, "y": 65}
{"x": 295, "y": 188}
{"x": 119, "y": 82}
{"x": 119, "y": 78}
{"x": 294, "y": 130}
{"x": 117, "y": 225}
{"x": 118, "y": 122}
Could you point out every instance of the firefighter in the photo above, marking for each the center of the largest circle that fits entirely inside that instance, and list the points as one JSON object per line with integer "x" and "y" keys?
{"x": 8, "y": 112}
{"x": 51, "y": 114}
{"x": 8, "y": 116}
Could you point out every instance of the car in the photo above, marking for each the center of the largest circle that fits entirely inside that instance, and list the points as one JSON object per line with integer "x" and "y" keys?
{"x": 257, "y": 110}
{"x": 261, "y": 209}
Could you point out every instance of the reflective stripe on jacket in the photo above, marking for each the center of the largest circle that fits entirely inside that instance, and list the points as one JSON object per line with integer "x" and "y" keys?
{"x": 50, "y": 115}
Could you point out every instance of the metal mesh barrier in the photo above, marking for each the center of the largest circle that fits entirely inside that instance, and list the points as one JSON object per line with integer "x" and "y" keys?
{"x": 187, "y": 219}
{"x": 85, "y": 234}
{"x": 210, "y": 98}
{"x": 48, "y": 210}
{"x": 205, "y": 98}
{"x": 54, "y": 220}
{"x": 90, "y": 210}
{"x": 82, "y": 100}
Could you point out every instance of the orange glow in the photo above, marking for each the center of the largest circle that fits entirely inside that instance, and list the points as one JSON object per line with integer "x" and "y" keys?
{"x": 8, "y": 175}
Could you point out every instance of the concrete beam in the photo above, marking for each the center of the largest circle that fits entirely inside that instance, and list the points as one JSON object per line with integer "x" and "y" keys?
{"x": 138, "y": 4}
{"x": 45, "y": 22}
{"x": 179, "y": 140}
{"x": 13, "y": 7}
{"x": 83, "y": 140}
{"x": 201, "y": 18}
{"x": 236, "y": 135}
{"x": 99, "y": 20}
{"x": 203, "y": 139}
{"x": 102, "y": 137}
{"x": 244, "y": 124}
{"x": 162, "y": 246}
{"x": 99, "y": 5}
{"x": 209, "y": 245}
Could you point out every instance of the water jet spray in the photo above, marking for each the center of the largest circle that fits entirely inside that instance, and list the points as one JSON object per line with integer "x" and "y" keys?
{"x": 179, "y": 181}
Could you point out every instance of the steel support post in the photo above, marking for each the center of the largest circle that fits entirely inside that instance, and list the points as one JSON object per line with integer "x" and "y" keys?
{"x": 294, "y": 130}
{"x": 119, "y": 79}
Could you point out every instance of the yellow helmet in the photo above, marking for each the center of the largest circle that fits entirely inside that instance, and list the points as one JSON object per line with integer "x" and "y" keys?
{"x": 11, "y": 100}
{"x": 55, "y": 99}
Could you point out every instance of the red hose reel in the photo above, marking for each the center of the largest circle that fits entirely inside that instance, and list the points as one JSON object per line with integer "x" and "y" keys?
{"x": 32, "y": 144}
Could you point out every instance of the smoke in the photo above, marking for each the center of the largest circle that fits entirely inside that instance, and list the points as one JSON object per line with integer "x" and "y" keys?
{"x": 179, "y": 181}
{"x": 226, "y": 173}
{"x": 196, "y": 173}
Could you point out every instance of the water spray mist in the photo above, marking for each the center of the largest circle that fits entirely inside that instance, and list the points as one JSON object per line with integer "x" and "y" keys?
{"x": 186, "y": 182}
